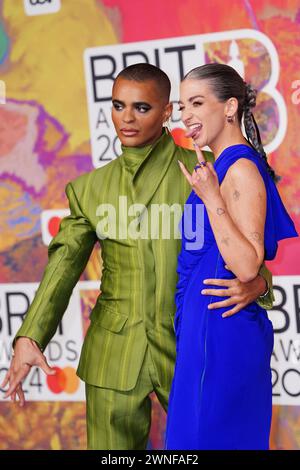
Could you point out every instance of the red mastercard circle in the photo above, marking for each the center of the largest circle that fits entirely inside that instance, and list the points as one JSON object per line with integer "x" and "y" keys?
{"x": 57, "y": 382}
{"x": 53, "y": 225}
{"x": 180, "y": 138}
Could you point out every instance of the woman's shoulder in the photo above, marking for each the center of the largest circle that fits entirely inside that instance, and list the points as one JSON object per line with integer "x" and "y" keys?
{"x": 240, "y": 162}
{"x": 244, "y": 175}
{"x": 243, "y": 167}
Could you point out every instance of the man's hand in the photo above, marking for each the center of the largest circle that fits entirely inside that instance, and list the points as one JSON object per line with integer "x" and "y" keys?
{"x": 240, "y": 293}
{"x": 26, "y": 355}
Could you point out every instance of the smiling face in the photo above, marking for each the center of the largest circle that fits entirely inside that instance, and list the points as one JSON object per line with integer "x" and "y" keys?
{"x": 202, "y": 113}
{"x": 138, "y": 112}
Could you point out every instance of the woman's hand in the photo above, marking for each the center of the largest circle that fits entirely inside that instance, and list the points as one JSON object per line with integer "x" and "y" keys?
{"x": 204, "y": 179}
{"x": 26, "y": 355}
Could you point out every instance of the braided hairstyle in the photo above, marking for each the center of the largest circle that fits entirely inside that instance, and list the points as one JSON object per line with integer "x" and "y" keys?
{"x": 251, "y": 127}
{"x": 226, "y": 83}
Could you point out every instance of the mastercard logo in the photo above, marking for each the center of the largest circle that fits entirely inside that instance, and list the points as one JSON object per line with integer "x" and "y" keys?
{"x": 65, "y": 380}
{"x": 53, "y": 225}
{"x": 50, "y": 221}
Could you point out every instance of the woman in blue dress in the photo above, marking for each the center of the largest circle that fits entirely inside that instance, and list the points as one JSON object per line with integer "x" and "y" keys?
{"x": 221, "y": 395}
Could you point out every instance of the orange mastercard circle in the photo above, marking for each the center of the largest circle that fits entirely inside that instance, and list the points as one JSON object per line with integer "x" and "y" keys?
{"x": 65, "y": 380}
{"x": 53, "y": 225}
{"x": 72, "y": 381}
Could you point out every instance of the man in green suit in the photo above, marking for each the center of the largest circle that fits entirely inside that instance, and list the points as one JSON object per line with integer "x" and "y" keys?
{"x": 129, "y": 349}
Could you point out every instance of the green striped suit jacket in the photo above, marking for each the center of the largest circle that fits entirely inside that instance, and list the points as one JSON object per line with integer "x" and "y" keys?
{"x": 136, "y": 307}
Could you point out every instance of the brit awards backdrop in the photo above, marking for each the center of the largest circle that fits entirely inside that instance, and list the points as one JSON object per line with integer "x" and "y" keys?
{"x": 58, "y": 60}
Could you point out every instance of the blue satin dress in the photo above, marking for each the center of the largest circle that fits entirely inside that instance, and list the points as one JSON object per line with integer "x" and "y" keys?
{"x": 221, "y": 394}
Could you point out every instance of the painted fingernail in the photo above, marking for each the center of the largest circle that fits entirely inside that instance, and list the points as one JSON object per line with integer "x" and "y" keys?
{"x": 209, "y": 307}
{"x": 205, "y": 281}
{"x": 203, "y": 292}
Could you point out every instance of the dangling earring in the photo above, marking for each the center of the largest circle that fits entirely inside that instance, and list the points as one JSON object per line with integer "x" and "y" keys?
{"x": 230, "y": 119}
{"x": 167, "y": 126}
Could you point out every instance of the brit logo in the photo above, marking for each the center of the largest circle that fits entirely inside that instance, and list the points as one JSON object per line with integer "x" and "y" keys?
{"x": 41, "y": 7}
{"x": 247, "y": 50}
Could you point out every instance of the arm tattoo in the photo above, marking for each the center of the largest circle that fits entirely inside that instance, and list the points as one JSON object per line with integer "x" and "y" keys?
{"x": 225, "y": 241}
{"x": 236, "y": 195}
{"x": 220, "y": 211}
{"x": 256, "y": 237}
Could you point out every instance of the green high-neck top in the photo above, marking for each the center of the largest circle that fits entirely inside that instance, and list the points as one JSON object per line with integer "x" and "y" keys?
{"x": 132, "y": 157}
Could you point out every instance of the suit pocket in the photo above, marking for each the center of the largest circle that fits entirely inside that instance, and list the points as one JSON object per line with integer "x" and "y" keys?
{"x": 112, "y": 355}
{"x": 108, "y": 318}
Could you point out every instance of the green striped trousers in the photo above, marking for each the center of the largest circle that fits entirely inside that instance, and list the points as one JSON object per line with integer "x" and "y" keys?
{"x": 121, "y": 420}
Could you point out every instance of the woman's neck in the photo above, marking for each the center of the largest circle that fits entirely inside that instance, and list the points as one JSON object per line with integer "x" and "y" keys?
{"x": 232, "y": 136}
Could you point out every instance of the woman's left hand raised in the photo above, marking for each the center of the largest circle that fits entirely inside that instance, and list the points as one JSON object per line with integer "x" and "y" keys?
{"x": 204, "y": 179}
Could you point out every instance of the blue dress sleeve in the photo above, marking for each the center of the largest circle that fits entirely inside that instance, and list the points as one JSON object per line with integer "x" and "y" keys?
{"x": 279, "y": 224}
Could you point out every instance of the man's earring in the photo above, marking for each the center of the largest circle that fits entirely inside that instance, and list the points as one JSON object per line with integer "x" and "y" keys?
{"x": 167, "y": 126}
